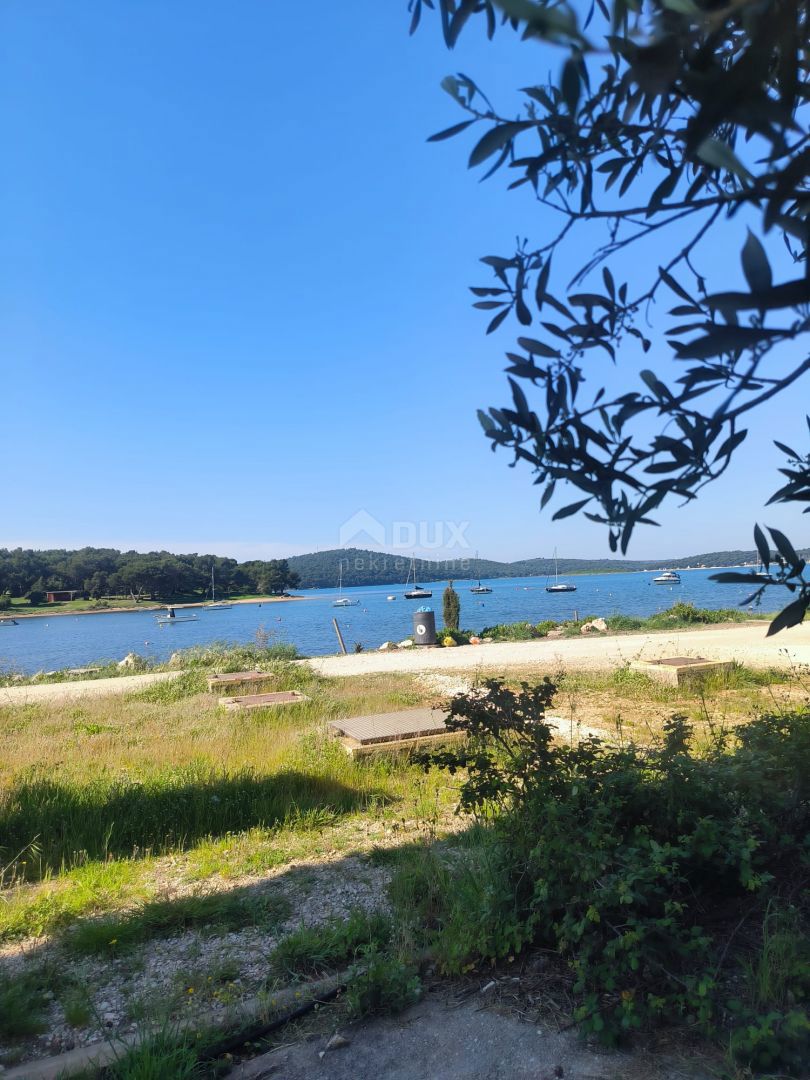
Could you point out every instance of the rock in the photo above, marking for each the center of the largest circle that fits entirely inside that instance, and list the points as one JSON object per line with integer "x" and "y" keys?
{"x": 386, "y": 645}
{"x": 486, "y": 640}
{"x": 475, "y": 640}
{"x": 337, "y": 1042}
{"x": 600, "y": 625}
{"x": 406, "y": 644}
{"x": 555, "y": 633}
{"x": 176, "y": 660}
{"x": 129, "y": 661}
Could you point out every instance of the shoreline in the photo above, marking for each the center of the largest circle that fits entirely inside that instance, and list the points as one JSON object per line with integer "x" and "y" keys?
{"x": 151, "y": 606}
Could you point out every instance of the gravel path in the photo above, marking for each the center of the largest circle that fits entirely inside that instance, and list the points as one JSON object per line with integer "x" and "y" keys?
{"x": 745, "y": 643}
{"x": 69, "y": 691}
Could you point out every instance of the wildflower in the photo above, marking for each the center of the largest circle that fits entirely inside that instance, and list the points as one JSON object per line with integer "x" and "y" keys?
{"x": 114, "y": 941}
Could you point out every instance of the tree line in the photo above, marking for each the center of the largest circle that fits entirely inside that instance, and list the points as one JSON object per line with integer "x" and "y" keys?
{"x": 156, "y": 575}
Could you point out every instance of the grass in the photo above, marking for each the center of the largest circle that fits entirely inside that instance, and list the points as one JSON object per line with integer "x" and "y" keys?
{"x": 312, "y": 950}
{"x": 22, "y": 1003}
{"x": 215, "y": 912}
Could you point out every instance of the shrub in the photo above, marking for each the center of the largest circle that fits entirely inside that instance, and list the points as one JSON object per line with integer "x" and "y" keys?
{"x": 382, "y": 983}
{"x": 451, "y": 607}
{"x": 616, "y": 856}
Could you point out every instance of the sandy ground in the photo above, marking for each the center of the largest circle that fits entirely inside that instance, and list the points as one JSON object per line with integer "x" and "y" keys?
{"x": 69, "y": 691}
{"x": 745, "y": 643}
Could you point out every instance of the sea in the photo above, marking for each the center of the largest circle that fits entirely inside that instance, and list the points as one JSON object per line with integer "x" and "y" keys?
{"x": 54, "y": 642}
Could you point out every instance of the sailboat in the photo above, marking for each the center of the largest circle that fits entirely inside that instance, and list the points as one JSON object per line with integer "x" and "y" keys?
{"x": 216, "y": 605}
{"x": 417, "y": 592}
{"x": 559, "y": 586}
{"x": 479, "y": 588}
{"x": 343, "y": 601}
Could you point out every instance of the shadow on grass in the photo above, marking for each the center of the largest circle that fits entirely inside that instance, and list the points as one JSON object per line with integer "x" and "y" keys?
{"x": 126, "y": 817}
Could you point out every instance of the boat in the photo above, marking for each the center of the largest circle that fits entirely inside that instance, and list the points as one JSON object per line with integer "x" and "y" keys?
{"x": 559, "y": 586}
{"x": 169, "y": 619}
{"x": 667, "y": 577}
{"x": 390, "y": 598}
{"x": 6, "y": 620}
{"x": 417, "y": 592}
{"x": 343, "y": 601}
{"x": 214, "y": 604}
{"x": 479, "y": 589}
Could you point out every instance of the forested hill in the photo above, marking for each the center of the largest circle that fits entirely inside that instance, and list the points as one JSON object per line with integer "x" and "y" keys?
{"x": 105, "y": 572}
{"x": 319, "y": 569}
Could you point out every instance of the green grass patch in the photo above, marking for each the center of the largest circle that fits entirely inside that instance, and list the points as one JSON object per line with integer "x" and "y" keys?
{"x": 22, "y": 1004}
{"x": 216, "y": 912}
{"x": 313, "y": 950}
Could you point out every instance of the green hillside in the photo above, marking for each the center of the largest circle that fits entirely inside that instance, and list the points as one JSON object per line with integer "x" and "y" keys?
{"x": 319, "y": 569}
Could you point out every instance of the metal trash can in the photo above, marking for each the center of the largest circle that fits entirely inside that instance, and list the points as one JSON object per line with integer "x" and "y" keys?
{"x": 424, "y": 626}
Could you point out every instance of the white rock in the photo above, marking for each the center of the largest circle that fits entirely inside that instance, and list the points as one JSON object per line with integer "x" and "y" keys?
{"x": 386, "y": 645}
{"x": 130, "y": 660}
{"x": 406, "y": 644}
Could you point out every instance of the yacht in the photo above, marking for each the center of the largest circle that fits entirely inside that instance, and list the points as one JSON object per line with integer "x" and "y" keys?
{"x": 667, "y": 577}
{"x": 216, "y": 605}
{"x": 479, "y": 588}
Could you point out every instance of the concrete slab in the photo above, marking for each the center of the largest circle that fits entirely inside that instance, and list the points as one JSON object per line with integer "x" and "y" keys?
{"x": 409, "y": 729}
{"x": 677, "y": 670}
{"x": 247, "y": 702}
{"x": 238, "y": 678}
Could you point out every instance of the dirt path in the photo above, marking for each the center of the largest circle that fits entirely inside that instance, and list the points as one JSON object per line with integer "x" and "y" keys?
{"x": 69, "y": 691}
{"x": 745, "y": 643}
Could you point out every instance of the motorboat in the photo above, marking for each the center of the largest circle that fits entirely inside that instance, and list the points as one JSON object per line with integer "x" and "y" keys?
{"x": 667, "y": 577}
{"x": 6, "y": 620}
{"x": 390, "y": 597}
{"x": 169, "y": 619}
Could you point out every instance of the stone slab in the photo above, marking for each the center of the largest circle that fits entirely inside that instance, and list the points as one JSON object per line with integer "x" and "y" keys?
{"x": 677, "y": 670}
{"x": 246, "y": 702}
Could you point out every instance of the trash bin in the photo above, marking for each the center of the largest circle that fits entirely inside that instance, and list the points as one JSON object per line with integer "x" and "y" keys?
{"x": 424, "y": 626}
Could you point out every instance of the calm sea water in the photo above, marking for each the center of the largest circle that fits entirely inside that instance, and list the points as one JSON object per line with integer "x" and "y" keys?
{"x": 61, "y": 641}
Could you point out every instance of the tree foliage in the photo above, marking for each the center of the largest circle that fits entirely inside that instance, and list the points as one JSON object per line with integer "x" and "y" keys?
{"x": 674, "y": 125}
{"x": 451, "y": 607}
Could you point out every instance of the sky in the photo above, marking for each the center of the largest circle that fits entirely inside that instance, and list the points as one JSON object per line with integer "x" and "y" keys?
{"x": 233, "y": 292}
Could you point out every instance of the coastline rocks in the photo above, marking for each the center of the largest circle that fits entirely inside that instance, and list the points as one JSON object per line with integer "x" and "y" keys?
{"x": 555, "y": 633}
{"x": 599, "y": 625}
{"x": 475, "y": 640}
{"x": 131, "y": 660}
{"x": 386, "y": 645}
{"x": 406, "y": 644}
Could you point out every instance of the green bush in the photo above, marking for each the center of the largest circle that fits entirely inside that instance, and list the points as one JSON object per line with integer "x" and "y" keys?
{"x": 519, "y": 631}
{"x": 461, "y": 637}
{"x": 381, "y": 983}
{"x": 451, "y": 607}
{"x": 621, "y": 858}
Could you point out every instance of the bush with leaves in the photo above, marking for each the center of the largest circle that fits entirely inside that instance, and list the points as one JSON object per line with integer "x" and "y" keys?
{"x": 451, "y": 607}
{"x": 671, "y": 124}
{"x": 640, "y": 866}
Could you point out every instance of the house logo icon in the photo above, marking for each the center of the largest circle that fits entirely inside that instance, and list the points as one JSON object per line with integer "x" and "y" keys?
{"x": 361, "y": 529}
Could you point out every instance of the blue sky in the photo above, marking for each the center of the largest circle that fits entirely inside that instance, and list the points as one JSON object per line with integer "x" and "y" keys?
{"x": 233, "y": 303}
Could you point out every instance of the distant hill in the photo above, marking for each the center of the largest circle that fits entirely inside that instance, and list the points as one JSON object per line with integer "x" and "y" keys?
{"x": 319, "y": 569}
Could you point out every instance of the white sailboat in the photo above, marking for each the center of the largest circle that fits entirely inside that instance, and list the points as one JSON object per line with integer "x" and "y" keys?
{"x": 417, "y": 592}
{"x": 343, "y": 601}
{"x": 479, "y": 588}
{"x": 216, "y": 605}
{"x": 559, "y": 586}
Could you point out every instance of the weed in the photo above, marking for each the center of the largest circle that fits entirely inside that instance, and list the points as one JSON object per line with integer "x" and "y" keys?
{"x": 381, "y": 983}
{"x": 22, "y": 1004}
{"x": 165, "y": 1056}
{"x": 315, "y": 949}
